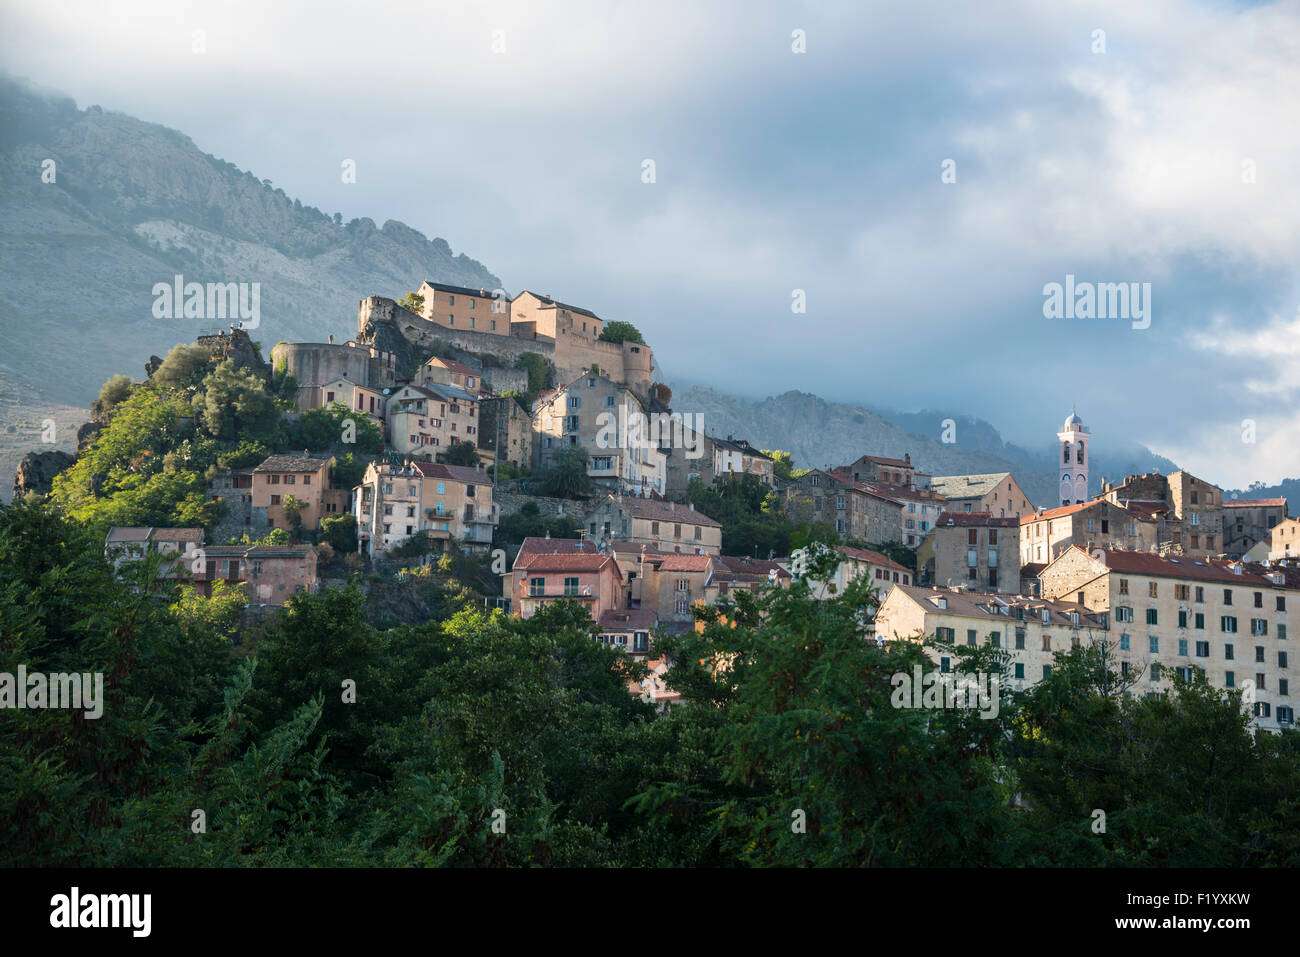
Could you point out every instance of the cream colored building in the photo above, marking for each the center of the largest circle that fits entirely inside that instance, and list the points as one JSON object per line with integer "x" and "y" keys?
{"x": 1284, "y": 540}
{"x": 1031, "y": 630}
{"x": 460, "y": 307}
{"x": 997, "y": 493}
{"x": 1099, "y": 523}
{"x": 1230, "y": 621}
{"x": 442, "y": 502}
{"x": 424, "y": 420}
{"x": 856, "y": 563}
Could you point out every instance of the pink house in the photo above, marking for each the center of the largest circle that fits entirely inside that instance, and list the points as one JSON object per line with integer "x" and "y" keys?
{"x": 592, "y": 578}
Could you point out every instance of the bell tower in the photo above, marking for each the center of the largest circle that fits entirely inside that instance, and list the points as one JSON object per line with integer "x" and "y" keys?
{"x": 1074, "y": 458}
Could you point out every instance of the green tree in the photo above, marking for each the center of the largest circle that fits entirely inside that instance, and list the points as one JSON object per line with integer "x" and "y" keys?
{"x": 538, "y": 368}
{"x": 185, "y": 365}
{"x": 293, "y": 513}
{"x": 461, "y": 453}
{"x": 619, "y": 331}
{"x": 116, "y": 389}
{"x": 340, "y": 531}
{"x": 568, "y": 478}
{"x": 412, "y": 301}
{"x": 233, "y": 404}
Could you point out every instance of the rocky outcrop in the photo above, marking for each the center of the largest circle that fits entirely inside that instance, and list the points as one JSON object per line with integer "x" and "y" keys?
{"x": 35, "y": 473}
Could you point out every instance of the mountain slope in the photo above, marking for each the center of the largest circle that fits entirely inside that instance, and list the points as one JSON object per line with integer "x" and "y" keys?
{"x": 133, "y": 204}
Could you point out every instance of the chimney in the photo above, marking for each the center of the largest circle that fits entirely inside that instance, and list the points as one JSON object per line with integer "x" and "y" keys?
{"x": 907, "y": 457}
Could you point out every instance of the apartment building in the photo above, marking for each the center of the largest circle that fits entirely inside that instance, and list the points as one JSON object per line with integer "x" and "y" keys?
{"x": 997, "y": 493}
{"x": 732, "y": 456}
{"x": 356, "y": 397}
{"x": 1284, "y": 540}
{"x": 424, "y": 420}
{"x": 1099, "y": 523}
{"x": 972, "y": 549}
{"x": 1172, "y": 613}
{"x": 592, "y": 578}
{"x": 394, "y": 503}
{"x": 1032, "y": 631}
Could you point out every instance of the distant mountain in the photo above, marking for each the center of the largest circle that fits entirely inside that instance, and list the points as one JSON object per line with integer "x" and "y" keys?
{"x": 133, "y": 204}
{"x": 820, "y": 434}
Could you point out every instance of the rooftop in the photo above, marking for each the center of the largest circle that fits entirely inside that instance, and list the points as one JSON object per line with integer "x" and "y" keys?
{"x": 967, "y": 486}
{"x": 294, "y": 463}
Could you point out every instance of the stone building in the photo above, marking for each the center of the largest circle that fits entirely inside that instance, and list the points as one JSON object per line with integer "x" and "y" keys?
{"x": 268, "y": 574}
{"x": 1247, "y": 522}
{"x": 506, "y": 419}
{"x": 304, "y": 477}
{"x": 1171, "y": 614}
{"x": 664, "y": 526}
{"x": 316, "y": 365}
{"x": 1099, "y": 523}
{"x": 425, "y": 420}
{"x": 972, "y": 550}
{"x": 1188, "y": 511}
{"x": 882, "y": 470}
{"x": 459, "y": 307}
{"x": 854, "y": 509}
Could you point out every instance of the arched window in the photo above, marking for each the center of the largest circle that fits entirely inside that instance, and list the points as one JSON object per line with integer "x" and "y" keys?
{"x": 1080, "y": 457}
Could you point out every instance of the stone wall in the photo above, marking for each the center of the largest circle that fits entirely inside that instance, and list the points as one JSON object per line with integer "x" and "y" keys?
{"x": 509, "y": 502}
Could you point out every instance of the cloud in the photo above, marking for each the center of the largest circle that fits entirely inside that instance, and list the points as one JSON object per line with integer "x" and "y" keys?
{"x": 777, "y": 171}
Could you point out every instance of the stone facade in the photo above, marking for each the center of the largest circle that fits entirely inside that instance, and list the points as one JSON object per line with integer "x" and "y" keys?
{"x": 1096, "y": 524}
{"x": 515, "y": 427}
{"x": 1247, "y": 522}
{"x": 973, "y": 550}
{"x": 853, "y": 509}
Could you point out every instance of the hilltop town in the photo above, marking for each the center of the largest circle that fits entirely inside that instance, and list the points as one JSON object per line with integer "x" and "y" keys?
{"x": 528, "y": 438}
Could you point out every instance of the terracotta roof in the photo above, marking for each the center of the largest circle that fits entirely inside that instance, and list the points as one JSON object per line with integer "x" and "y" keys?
{"x": 1145, "y": 563}
{"x": 628, "y": 619}
{"x": 1255, "y": 503}
{"x": 451, "y": 365}
{"x": 1060, "y": 512}
{"x": 684, "y": 563}
{"x": 844, "y": 479}
{"x": 892, "y": 463}
{"x": 574, "y": 562}
{"x": 976, "y": 519}
{"x": 259, "y": 551}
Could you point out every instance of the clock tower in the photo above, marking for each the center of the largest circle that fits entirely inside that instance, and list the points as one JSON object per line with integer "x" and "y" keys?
{"x": 1074, "y": 436}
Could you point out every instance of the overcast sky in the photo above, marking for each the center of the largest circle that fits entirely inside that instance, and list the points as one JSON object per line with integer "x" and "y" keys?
{"x": 1171, "y": 158}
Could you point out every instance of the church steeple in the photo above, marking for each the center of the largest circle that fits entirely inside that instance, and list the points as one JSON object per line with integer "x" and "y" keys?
{"x": 1074, "y": 459}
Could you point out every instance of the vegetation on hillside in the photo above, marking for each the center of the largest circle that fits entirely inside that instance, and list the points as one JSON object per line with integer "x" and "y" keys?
{"x": 326, "y": 741}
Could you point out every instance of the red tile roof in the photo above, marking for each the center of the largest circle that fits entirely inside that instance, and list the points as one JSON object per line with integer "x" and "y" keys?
{"x": 1255, "y": 502}
{"x": 552, "y": 562}
{"x": 1181, "y": 566}
{"x": 684, "y": 563}
{"x": 458, "y": 473}
{"x": 628, "y": 619}
{"x": 451, "y": 365}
